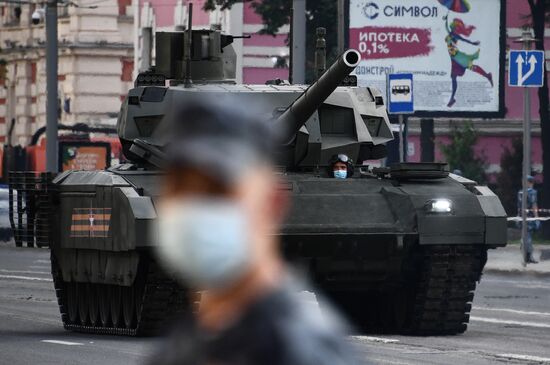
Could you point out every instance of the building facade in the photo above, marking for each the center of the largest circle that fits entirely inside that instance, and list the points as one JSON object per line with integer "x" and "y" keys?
{"x": 95, "y": 65}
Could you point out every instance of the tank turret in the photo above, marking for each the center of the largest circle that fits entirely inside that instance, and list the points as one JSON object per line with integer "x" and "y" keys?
{"x": 330, "y": 116}
{"x": 295, "y": 116}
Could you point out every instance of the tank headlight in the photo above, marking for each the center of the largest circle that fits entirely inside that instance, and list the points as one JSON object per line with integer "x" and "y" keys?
{"x": 439, "y": 206}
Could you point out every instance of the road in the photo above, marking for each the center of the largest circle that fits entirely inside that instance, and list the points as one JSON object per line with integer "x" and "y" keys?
{"x": 510, "y": 324}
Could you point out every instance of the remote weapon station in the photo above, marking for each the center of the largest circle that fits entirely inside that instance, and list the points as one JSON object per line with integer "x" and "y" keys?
{"x": 399, "y": 251}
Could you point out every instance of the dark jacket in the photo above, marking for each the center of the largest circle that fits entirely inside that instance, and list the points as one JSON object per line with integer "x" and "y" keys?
{"x": 278, "y": 329}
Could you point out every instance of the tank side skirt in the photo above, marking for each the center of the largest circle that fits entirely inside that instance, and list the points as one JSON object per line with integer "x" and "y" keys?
{"x": 162, "y": 298}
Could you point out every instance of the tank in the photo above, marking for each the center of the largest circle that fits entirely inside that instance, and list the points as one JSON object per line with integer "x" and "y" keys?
{"x": 397, "y": 250}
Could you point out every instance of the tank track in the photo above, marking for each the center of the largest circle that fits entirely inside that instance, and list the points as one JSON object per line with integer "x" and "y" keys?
{"x": 434, "y": 297}
{"x": 162, "y": 299}
{"x": 445, "y": 288}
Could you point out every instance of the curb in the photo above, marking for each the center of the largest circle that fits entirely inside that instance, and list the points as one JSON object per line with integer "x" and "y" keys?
{"x": 517, "y": 272}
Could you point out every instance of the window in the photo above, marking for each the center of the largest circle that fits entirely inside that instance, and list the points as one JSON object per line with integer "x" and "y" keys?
{"x": 33, "y": 72}
{"x": 122, "y": 4}
{"x": 127, "y": 70}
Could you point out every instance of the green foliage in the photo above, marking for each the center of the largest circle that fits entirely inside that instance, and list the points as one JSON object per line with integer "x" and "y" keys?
{"x": 460, "y": 154}
{"x": 509, "y": 178}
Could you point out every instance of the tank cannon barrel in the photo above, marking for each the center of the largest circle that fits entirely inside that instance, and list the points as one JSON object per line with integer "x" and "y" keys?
{"x": 294, "y": 117}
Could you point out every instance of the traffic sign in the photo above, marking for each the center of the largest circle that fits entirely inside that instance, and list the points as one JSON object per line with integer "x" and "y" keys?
{"x": 400, "y": 94}
{"x": 526, "y": 68}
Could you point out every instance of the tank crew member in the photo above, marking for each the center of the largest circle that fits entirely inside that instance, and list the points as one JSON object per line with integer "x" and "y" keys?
{"x": 533, "y": 211}
{"x": 218, "y": 217}
{"x": 340, "y": 167}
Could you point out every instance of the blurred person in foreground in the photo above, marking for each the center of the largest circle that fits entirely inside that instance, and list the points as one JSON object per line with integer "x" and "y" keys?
{"x": 218, "y": 222}
{"x": 532, "y": 212}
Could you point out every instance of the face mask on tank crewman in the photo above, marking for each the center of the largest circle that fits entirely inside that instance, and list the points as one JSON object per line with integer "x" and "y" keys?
{"x": 340, "y": 166}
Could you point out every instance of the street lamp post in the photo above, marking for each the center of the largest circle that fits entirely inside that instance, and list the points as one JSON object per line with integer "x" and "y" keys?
{"x": 51, "y": 87}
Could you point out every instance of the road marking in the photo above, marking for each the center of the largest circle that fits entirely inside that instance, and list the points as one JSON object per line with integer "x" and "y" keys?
{"x": 17, "y": 277}
{"x": 42, "y": 261}
{"x": 536, "y": 359}
{"x": 40, "y": 267}
{"x": 25, "y": 272}
{"x": 516, "y": 323}
{"x": 386, "y": 361}
{"x": 63, "y": 342}
{"x": 515, "y": 311}
{"x": 375, "y": 339}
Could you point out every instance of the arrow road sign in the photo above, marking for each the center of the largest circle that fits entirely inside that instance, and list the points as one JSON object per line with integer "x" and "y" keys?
{"x": 526, "y": 68}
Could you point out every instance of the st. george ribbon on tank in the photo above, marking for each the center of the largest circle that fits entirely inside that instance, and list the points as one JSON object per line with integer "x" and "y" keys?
{"x": 397, "y": 249}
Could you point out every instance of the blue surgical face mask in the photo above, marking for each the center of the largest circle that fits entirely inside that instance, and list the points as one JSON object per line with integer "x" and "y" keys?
{"x": 340, "y": 174}
{"x": 204, "y": 241}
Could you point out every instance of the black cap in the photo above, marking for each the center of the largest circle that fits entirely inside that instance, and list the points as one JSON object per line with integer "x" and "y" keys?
{"x": 222, "y": 139}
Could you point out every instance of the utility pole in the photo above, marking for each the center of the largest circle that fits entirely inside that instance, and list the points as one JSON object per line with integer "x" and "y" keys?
{"x": 298, "y": 50}
{"x": 51, "y": 87}
{"x": 427, "y": 137}
{"x": 526, "y": 39}
{"x": 137, "y": 11}
{"x": 341, "y": 26}
{"x": 401, "y": 139}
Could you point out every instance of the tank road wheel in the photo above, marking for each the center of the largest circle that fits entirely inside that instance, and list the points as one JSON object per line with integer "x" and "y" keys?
{"x": 72, "y": 302}
{"x": 103, "y": 297}
{"x": 93, "y": 305}
{"x": 116, "y": 301}
{"x": 83, "y": 303}
{"x": 445, "y": 288}
{"x": 128, "y": 306}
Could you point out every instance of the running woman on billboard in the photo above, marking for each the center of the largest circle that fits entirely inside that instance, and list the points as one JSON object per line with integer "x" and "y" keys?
{"x": 458, "y": 31}
{"x": 460, "y": 61}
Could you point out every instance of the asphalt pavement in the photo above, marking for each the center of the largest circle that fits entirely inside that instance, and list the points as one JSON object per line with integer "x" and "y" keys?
{"x": 510, "y": 323}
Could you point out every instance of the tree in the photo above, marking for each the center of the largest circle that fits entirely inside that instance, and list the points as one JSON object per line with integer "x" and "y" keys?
{"x": 460, "y": 154}
{"x": 540, "y": 13}
{"x": 509, "y": 178}
{"x": 276, "y": 13}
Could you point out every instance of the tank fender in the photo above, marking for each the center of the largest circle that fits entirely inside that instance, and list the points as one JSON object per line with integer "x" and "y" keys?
{"x": 132, "y": 219}
{"x": 495, "y": 216}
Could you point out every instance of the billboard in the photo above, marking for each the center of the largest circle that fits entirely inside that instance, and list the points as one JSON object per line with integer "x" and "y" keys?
{"x": 454, "y": 49}
{"x": 83, "y": 155}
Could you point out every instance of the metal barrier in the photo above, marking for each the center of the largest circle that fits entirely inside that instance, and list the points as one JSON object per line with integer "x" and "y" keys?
{"x": 30, "y": 197}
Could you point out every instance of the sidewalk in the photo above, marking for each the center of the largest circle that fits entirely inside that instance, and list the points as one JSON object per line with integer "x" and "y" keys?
{"x": 507, "y": 260}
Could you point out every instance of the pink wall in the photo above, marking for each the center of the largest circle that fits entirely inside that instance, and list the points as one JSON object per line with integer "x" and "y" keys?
{"x": 516, "y": 10}
{"x": 257, "y": 75}
{"x": 490, "y": 148}
{"x": 250, "y": 16}
{"x": 164, "y": 12}
{"x": 266, "y": 40}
